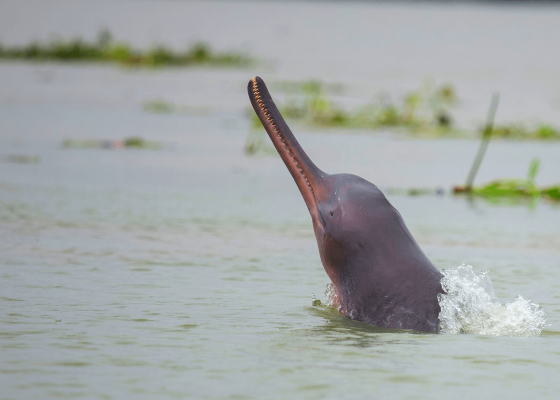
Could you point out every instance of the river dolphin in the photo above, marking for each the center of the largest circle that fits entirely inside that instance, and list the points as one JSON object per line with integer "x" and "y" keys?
{"x": 380, "y": 274}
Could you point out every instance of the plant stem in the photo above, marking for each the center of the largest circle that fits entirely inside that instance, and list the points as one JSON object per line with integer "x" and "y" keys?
{"x": 486, "y": 134}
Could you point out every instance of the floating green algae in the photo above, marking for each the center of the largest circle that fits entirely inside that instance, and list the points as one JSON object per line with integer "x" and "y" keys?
{"x": 105, "y": 49}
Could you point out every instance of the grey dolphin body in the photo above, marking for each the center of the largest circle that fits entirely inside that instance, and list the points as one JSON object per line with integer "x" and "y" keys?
{"x": 380, "y": 274}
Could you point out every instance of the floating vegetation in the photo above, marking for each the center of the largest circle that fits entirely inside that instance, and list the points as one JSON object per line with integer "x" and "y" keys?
{"x": 552, "y": 192}
{"x": 504, "y": 188}
{"x": 426, "y": 111}
{"x": 508, "y": 190}
{"x": 163, "y": 107}
{"x": 516, "y": 189}
{"x": 512, "y": 187}
{"x": 20, "y": 159}
{"x": 439, "y": 191}
{"x": 425, "y": 108}
{"x": 131, "y": 143}
{"x": 159, "y": 107}
{"x": 519, "y": 131}
{"x": 105, "y": 49}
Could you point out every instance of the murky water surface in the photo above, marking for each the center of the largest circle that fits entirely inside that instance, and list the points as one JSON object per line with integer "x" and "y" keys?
{"x": 190, "y": 271}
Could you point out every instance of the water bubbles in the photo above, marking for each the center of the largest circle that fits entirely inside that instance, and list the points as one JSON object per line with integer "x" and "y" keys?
{"x": 470, "y": 306}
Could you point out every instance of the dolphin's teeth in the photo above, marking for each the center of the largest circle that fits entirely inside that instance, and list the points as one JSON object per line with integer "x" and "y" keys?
{"x": 265, "y": 111}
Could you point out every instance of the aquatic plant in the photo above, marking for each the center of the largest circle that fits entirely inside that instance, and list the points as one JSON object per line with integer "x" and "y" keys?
{"x": 130, "y": 142}
{"x": 105, "y": 49}
{"x": 20, "y": 159}
{"x": 428, "y": 107}
{"x": 418, "y": 191}
{"x": 552, "y": 192}
{"x": 159, "y": 106}
{"x": 425, "y": 111}
{"x": 519, "y": 131}
{"x": 515, "y": 188}
{"x": 512, "y": 187}
{"x": 504, "y": 188}
{"x": 484, "y": 142}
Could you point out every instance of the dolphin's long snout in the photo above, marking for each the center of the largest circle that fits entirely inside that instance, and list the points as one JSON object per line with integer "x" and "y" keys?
{"x": 307, "y": 176}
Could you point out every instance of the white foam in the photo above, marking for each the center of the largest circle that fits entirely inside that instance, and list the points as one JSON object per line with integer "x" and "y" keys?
{"x": 470, "y": 306}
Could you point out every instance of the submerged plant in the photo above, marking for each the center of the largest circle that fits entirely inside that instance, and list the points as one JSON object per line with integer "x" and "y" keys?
{"x": 105, "y": 49}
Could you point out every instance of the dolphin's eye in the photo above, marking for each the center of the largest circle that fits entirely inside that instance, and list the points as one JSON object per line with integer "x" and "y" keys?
{"x": 331, "y": 214}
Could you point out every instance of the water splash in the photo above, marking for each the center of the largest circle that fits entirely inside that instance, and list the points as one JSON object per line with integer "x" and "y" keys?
{"x": 470, "y": 306}
{"x": 332, "y": 300}
{"x": 332, "y": 296}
